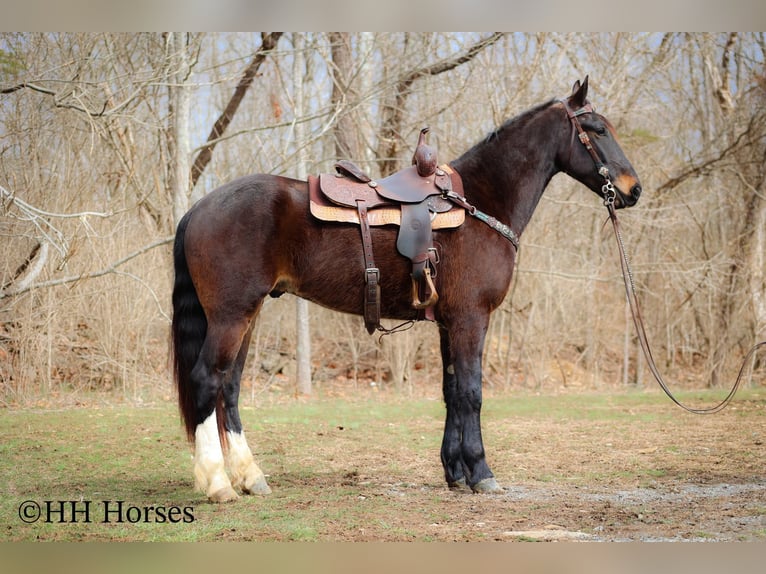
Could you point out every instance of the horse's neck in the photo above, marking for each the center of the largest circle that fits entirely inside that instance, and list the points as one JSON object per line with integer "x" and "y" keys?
{"x": 506, "y": 175}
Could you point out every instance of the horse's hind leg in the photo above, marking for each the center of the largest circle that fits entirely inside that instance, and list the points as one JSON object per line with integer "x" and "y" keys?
{"x": 244, "y": 472}
{"x": 209, "y": 377}
{"x": 209, "y": 471}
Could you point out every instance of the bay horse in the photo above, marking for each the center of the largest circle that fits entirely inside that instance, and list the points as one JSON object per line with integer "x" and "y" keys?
{"x": 254, "y": 237}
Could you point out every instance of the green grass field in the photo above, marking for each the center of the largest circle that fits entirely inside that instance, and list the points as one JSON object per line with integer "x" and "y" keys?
{"x": 370, "y": 470}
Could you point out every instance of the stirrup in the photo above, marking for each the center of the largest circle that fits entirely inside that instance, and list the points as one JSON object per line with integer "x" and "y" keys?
{"x": 432, "y": 298}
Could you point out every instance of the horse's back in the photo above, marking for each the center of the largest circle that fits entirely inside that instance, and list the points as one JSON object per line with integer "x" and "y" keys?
{"x": 248, "y": 195}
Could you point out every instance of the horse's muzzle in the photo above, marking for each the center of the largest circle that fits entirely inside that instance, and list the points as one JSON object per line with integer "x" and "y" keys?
{"x": 629, "y": 199}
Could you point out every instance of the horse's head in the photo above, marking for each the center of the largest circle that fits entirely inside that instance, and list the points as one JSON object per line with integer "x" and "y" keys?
{"x": 592, "y": 154}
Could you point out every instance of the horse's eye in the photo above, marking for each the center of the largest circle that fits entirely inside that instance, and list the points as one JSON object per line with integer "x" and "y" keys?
{"x": 600, "y": 131}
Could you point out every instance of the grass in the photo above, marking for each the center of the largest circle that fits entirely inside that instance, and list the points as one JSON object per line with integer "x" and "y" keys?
{"x": 352, "y": 470}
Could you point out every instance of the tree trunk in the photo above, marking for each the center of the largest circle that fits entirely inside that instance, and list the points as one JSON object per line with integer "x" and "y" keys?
{"x": 180, "y": 97}
{"x": 758, "y": 267}
{"x": 302, "y": 325}
{"x": 344, "y": 97}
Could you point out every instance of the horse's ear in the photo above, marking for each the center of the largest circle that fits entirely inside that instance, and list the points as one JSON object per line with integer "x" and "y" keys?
{"x": 579, "y": 93}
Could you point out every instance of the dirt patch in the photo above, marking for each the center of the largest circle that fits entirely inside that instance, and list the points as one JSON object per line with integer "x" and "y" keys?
{"x": 687, "y": 512}
{"x": 617, "y": 470}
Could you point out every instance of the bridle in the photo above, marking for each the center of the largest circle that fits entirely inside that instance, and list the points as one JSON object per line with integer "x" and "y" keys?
{"x": 609, "y": 193}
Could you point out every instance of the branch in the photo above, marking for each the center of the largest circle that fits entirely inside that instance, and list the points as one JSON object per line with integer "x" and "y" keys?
{"x": 112, "y": 268}
{"x": 40, "y": 219}
{"x": 723, "y": 92}
{"x": 28, "y": 85}
{"x": 392, "y": 113}
{"x": 80, "y": 108}
{"x": 268, "y": 43}
{"x": 38, "y": 255}
{"x": 30, "y": 209}
{"x": 706, "y": 166}
{"x": 451, "y": 64}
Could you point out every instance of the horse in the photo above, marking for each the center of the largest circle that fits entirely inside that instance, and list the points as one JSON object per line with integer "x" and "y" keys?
{"x": 254, "y": 237}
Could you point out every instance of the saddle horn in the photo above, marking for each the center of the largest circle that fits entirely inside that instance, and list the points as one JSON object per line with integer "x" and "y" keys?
{"x": 424, "y": 158}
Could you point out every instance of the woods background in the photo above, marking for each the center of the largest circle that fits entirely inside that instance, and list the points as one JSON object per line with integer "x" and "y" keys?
{"x": 107, "y": 139}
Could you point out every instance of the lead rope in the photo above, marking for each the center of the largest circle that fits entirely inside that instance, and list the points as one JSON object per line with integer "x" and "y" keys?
{"x": 630, "y": 290}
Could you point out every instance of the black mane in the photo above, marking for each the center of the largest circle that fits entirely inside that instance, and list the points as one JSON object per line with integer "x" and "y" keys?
{"x": 514, "y": 121}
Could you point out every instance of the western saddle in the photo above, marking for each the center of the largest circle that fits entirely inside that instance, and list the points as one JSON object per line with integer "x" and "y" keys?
{"x": 418, "y": 199}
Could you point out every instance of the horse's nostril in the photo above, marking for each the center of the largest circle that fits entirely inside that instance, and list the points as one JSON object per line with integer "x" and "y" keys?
{"x": 635, "y": 191}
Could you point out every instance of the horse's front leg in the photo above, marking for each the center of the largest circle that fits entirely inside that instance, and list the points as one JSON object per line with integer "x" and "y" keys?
{"x": 462, "y": 447}
{"x": 451, "y": 455}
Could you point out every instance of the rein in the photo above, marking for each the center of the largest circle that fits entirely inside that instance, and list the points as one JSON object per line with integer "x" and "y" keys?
{"x": 609, "y": 194}
{"x": 630, "y": 290}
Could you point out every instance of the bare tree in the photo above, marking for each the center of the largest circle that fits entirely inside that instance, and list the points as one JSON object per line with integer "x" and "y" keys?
{"x": 268, "y": 44}
{"x": 344, "y": 96}
{"x": 180, "y": 59}
{"x": 92, "y": 152}
{"x": 303, "y": 343}
{"x": 390, "y": 147}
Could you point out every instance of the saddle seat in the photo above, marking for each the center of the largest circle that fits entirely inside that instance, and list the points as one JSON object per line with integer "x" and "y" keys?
{"x": 415, "y": 203}
{"x": 350, "y": 184}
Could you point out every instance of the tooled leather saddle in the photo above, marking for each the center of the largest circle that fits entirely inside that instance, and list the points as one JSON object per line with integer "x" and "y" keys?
{"x": 415, "y": 199}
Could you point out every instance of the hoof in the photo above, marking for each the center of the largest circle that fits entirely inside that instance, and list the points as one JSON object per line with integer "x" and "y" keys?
{"x": 457, "y": 484}
{"x": 226, "y": 494}
{"x": 488, "y": 485}
{"x": 259, "y": 486}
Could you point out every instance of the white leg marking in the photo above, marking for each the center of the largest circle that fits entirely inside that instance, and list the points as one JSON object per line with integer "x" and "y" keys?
{"x": 209, "y": 469}
{"x": 244, "y": 472}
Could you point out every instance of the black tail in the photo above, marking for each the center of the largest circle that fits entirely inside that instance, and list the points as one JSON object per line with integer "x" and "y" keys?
{"x": 189, "y": 329}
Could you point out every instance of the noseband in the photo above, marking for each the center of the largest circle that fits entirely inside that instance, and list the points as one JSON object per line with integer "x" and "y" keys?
{"x": 607, "y": 190}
